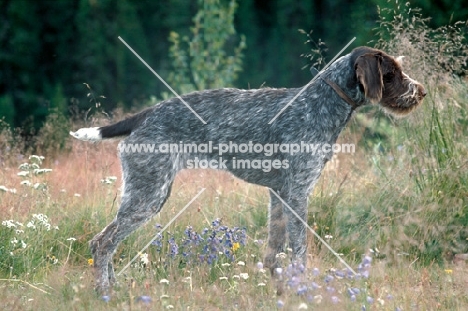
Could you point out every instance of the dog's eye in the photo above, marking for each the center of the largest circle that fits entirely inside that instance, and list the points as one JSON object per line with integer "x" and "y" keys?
{"x": 388, "y": 77}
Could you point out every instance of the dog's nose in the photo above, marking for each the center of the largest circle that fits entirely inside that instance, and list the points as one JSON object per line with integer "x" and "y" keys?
{"x": 423, "y": 92}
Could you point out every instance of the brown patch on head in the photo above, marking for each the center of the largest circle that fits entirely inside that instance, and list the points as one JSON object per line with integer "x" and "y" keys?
{"x": 383, "y": 80}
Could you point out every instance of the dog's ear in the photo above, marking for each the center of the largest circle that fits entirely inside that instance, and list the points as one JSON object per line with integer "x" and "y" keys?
{"x": 369, "y": 73}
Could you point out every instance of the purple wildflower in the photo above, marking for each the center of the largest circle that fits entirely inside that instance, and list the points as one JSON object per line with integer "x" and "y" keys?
{"x": 367, "y": 261}
{"x": 144, "y": 299}
{"x": 280, "y": 304}
{"x": 339, "y": 274}
{"x": 316, "y": 271}
{"x": 314, "y": 285}
{"x": 158, "y": 242}
{"x": 365, "y": 274}
{"x": 174, "y": 248}
{"x": 294, "y": 281}
{"x": 301, "y": 290}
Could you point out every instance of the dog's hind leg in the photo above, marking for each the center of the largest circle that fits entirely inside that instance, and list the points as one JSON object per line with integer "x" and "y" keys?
{"x": 147, "y": 185}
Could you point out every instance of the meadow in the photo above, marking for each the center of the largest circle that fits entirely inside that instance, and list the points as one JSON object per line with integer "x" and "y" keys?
{"x": 396, "y": 210}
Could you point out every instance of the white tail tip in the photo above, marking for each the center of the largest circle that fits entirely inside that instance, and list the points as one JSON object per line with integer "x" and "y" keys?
{"x": 87, "y": 134}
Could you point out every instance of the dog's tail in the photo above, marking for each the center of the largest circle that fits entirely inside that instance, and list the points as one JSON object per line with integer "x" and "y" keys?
{"x": 119, "y": 129}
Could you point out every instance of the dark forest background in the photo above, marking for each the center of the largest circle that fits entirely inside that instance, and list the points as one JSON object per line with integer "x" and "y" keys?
{"x": 50, "y": 49}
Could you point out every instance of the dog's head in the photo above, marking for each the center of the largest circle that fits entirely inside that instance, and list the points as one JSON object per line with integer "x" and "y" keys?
{"x": 383, "y": 81}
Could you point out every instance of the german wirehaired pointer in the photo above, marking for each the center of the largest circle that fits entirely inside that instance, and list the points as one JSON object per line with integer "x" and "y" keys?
{"x": 317, "y": 116}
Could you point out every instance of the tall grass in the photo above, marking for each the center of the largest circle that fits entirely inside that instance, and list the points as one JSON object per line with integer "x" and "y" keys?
{"x": 396, "y": 209}
{"x": 419, "y": 171}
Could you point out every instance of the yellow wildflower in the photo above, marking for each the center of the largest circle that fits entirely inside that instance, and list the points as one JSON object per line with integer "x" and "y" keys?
{"x": 235, "y": 246}
{"x": 90, "y": 261}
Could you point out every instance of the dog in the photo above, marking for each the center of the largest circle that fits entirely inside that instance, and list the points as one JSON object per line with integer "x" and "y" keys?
{"x": 237, "y": 117}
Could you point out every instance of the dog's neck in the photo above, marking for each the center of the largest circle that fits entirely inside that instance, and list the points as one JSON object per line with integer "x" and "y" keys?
{"x": 342, "y": 72}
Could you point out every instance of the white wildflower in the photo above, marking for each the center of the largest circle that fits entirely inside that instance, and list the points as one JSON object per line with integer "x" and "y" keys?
{"x": 39, "y": 171}
{"x": 18, "y": 231}
{"x": 40, "y": 217}
{"x": 109, "y": 180}
{"x": 223, "y": 278}
{"x": 23, "y": 245}
{"x": 71, "y": 239}
{"x": 31, "y": 225}
{"x": 14, "y": 241}
{"x": 144, "y": 258}
{"x": 226, "y": 264}
{"x": 23, "y": 173}
{"x": 244, "y": 276}
{"x": 35, "y": 166}
{"x": 281, "y": 255}
{"x": 3, "y": 188}
{"x": 241, "y": 263}
{"x": 261, "y": 284}
{"x": 169, "y": 307}
{"x": 164, "y": 281}
{"x": 26, "y": 183}
{"x": 8, "y": 223}
{"x": 12, "y": 190}
{"x": 24, "y": 167}
{"x": 318, "y": 299}
{"x": 77, "y": 195}
{"x": 303, "y": 306}
{"x": 164, "y": 297}
{"x": 36, "y": 158}
{"x": 44, "y": 220}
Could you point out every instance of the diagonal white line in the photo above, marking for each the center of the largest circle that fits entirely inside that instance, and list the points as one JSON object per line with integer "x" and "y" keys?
{"x": 162, "y": 80}
{"x": 311, "y": 81}
{"x": 162, "y": 230}
{"x": 314, "y": 233}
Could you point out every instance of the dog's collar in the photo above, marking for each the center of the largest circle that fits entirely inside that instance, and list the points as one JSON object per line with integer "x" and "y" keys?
{"x": 340, "y": 93}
